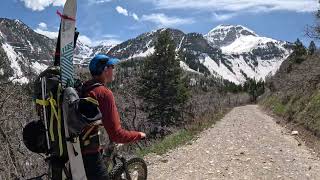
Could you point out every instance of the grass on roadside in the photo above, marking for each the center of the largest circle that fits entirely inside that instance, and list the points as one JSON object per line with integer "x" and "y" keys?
{"x": 303, "y": 110}
{"x": 275, "y": 104}
{"x": 182, "y": 136}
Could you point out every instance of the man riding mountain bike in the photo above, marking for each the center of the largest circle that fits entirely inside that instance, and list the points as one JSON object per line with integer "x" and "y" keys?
{"x": 102, "y": 70}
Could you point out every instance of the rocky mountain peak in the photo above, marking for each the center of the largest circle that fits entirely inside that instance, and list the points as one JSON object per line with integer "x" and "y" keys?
{"x": 224, "y": 35}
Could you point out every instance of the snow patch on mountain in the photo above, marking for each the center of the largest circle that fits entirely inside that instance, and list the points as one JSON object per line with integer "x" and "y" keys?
{"x": 266, "y": 68}
{"x": 242, "y": 69}
{"x": 30, "y": 45}
{"x": 83, "y": 50}
{"x": 146, "y": 53}
{"x": 17, "y": 21}
{"x": 185, "y": 67}
{"x": 179, "y": 47}
{"x": 49, "y": 34}
{"x": 14, "y": 59}
{"x": 83, "y": 53}
{"x": 39, "y": 67}
{"x": 219, "y": 70}
{"x": 1, "y": 35}
{"x": 246, "y": 44}
{"x": 263, "y": 69}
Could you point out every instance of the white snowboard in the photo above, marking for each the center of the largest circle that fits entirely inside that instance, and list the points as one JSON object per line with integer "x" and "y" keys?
{"x": 73, "y": 145}
{"x": 67, "y": 71}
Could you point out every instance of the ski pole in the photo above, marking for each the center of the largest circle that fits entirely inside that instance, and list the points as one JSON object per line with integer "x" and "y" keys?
{"x": 43, "y": 88}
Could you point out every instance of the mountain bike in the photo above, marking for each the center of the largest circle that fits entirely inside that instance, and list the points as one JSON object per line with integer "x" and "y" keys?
{"x": 119, "y": 167}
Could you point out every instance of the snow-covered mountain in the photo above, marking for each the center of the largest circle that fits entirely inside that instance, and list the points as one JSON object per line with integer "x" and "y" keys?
{"x": 245, "y": 54}
{"x": 84, "y": 53}
{"x": 230, "y": 52}
{"x": 21, "y": 49}
{"x": 25, "y": 53}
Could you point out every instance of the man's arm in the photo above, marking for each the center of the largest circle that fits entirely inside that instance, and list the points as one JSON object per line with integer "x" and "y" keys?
{"x": 111, "y": 119}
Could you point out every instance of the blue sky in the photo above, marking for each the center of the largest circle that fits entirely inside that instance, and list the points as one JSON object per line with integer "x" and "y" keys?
{"x": 118, "y": 20}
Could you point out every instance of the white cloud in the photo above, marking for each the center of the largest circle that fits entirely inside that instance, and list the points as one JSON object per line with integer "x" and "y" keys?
{"x": 49, "y": 34}
{"x": 98, "y": 1}
{"x": 135, "y": 16}
{"x": 238, "y": 5}
{"x": 223, "y": 17}
{"x": 108, "y": 39}
{"x": 43, "y": 26}
{"x": 125, "y": 12}
{"x": 39, "y": 5}
{"x": 85, "y": 39}
{"x": 121, "y": 10}
{"x": 58, "y": 2}
{"x": 110, "y": 36}
{"x": 42, "y": 29}
{"x": 163, "y": 20}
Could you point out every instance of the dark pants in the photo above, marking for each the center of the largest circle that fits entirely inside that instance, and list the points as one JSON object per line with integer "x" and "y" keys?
{"x": 95, "y": 167}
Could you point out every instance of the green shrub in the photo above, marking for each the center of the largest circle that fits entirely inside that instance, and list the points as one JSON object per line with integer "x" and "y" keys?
{"x": 310, "y": 116}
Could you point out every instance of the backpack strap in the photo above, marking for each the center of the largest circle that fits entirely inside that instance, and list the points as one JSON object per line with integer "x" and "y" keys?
{"x": 88, "y": 139}
{"x": 91, "y": 127}
{"x": 84, "y": 90}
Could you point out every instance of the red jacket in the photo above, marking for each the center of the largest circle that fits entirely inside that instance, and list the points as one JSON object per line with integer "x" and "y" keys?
{"x": 110, "y": 115}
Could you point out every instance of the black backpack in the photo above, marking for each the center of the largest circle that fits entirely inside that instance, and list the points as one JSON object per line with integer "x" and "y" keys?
{"x": 82, "y": 111}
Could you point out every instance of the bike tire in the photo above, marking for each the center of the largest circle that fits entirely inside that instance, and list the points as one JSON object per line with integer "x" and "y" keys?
{"x": 119, "y": 170}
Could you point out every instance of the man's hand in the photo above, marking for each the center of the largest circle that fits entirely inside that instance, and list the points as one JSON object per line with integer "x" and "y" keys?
{"x": 143, "y": 135}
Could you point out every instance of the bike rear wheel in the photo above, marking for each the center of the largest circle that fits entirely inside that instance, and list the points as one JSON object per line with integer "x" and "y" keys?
{"x": 137, "y": 169}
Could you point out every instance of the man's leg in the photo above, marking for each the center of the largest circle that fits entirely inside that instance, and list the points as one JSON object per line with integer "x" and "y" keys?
{"x": 95, "y": 167}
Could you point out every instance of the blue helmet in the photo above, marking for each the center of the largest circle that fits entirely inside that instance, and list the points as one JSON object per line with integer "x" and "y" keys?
{"x": 99, "y": 62}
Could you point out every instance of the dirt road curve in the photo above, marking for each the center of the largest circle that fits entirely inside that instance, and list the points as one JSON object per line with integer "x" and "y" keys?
{"x": 245, "y": 144}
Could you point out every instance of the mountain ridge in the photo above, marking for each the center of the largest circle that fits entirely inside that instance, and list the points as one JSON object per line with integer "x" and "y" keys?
{"x": 231, "y": 52}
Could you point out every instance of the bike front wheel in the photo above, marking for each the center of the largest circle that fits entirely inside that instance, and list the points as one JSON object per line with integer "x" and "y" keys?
{"x": 137, "y": 169}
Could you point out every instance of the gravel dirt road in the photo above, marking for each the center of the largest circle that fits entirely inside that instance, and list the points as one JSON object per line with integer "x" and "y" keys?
{"x": 245, "y": 144}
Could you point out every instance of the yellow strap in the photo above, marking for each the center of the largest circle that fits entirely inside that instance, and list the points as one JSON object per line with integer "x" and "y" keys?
{"x": 56, "y": 114}
{"x": 90, "y": 99}
{"x": 51, "y": 101}
{"x": 42, "y": 102}
{"x": 87, "y": 133}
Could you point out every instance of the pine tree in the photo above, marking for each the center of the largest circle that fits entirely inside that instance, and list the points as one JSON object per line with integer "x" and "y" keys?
{"x": 161, "y": 86}
{"x": 254, "y": 88}
{"x": 299, "y": 51}
{"x": 299, "y": 48}
{"x": 312, "y": 48}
